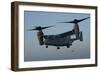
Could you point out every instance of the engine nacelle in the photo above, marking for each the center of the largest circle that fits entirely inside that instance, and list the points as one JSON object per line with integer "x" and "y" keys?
{"x": 76, "y": 30}
{"x": 40, "y": 37}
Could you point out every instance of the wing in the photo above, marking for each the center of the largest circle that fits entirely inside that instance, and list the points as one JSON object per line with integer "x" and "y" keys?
{"x": 66, "y": 34}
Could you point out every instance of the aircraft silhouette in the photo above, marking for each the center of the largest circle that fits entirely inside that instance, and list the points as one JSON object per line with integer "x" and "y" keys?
{"x": 62, "y": 39}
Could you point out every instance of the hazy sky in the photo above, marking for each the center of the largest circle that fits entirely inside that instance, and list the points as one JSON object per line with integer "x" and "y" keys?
{"x": 34, "y": 52}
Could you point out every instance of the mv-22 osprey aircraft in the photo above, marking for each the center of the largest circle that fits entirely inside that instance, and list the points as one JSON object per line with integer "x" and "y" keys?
{"x": 62, "y": 39}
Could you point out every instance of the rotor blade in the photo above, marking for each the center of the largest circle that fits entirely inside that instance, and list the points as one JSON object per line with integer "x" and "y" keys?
{"x": 82, "y": 19}
{"x": 31, "y": 29}
{"x": 47, "y": 27}
{"x": 75, "y": 21}
{"x": 67, "y": 22}
{"x": 40, "y": 28}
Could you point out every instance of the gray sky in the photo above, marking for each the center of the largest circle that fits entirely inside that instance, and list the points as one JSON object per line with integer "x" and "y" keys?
{"x": 35, "y": 52}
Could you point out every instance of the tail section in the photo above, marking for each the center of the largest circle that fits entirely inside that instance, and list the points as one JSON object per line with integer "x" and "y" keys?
{"x": 81, "y": 36}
